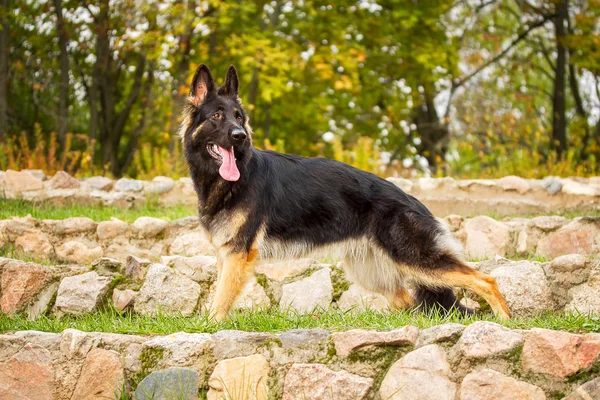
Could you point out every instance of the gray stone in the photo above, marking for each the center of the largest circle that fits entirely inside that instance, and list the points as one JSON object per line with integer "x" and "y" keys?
{"x": 75, "y": 251}
{"x": 34, "y": 243}
{"x": 282, "y": 270}
{"x": 159, "y": 185}
{"x": 99, "y": 183}
{"x": 81, "y": 294}
{"x": 309, "y": 293}
{"x": 169, "y": 384}
{"x": 548, "y": 223}
{"x": 22, "y": 181}
{"x": 316, "y": 381}
{"x": 253, "y": 296}
{"x": 525, "y": 288}
{"x": 300, "y": 338}
{"x": 72, "y": 226}
{"x": 482, "y": 340}
{"x": 584, "y": 298}
{"x": 240, "y": 378}
{"x": 421, "y": 374}
{"x": 440, "y": 334}
{"x": 230, "y": 343}
{"x": 165, "y": 291}
{"x": 136, "y": 268}
{"x": 111, "y": 229}
{"x": 349, "y": 341}
{"x": 107, "y": 266}
{"x": 514, "y": 183}
{"x": 198, "y": 268}
{"x": 358, "y": 299}
{"x": 402, "y": 183}
{"x": 181, "y": 349}
{"x": 191, "y": 244}
{"x": 588, "y": 391}
{"x": 128, "y": 185}
{"x": 123, "y": 299}
{"x": 578, "y": 188}
{"x": 148, "y": 227}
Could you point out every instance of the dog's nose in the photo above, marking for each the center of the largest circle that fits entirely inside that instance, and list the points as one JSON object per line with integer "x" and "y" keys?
{"x": 238, "y": 135}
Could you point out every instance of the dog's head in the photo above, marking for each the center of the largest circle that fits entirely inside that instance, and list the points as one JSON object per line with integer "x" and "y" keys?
{"x": 215, "y": 131}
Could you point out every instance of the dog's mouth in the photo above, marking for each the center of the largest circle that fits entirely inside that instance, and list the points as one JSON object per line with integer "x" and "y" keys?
{"x": 226, "y": 158}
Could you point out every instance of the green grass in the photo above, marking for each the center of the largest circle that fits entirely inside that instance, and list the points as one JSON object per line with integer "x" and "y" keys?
{"x": 276, "y": 321}
{"x": 21, "y": 208}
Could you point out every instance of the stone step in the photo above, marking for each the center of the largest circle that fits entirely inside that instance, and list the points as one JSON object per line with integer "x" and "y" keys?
{"x": 510, "y": 195}
{"x": 481, "y": 361}
{"x": 186, "y": 286}
{"x": 81, "y": 240}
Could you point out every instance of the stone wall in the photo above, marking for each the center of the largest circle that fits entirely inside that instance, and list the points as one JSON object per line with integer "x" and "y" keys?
{"x": 510, "y": 195}
{"x": 81, "y": 240}
{"x": 186, "y": 285}
{"x": 481, "y": 361}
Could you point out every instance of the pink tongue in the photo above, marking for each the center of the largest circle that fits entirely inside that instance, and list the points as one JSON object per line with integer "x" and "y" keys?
{"x": 228, "y": 169}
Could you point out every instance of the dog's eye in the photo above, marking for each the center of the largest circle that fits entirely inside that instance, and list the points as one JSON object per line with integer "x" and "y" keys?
{"x": 239, "y": 118}
{"x": 217, "y": 115}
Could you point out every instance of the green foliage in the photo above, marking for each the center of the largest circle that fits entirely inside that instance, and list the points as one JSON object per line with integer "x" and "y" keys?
{"x": 396, "y": 80}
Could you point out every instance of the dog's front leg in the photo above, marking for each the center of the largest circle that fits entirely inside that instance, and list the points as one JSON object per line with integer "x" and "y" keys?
{"x": 233, "y": 275}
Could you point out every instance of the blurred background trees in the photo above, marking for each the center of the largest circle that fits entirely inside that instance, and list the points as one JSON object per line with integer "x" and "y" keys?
{"x": 458, "y": 87}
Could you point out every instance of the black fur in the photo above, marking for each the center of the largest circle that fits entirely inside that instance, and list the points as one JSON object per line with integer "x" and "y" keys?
{"x": 315, "y": 201}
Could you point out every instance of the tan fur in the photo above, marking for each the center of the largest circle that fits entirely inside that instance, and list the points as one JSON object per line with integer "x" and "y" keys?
{"x": 402, "y": 300}
{"x": 225, "y": 227}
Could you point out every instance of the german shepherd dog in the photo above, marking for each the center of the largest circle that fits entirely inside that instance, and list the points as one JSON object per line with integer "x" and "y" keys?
{"x": 261, "y": 204}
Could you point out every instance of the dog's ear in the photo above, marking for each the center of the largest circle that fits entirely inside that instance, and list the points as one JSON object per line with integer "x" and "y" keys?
{"x": 203, "y": 85}
{"x": 231, "y": 85}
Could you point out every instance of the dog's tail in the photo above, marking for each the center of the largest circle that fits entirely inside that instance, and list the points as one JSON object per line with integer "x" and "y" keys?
{"x": 441, "y": 299}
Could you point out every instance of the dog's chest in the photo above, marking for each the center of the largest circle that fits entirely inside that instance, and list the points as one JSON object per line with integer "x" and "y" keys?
{"x": 223, "y": 227}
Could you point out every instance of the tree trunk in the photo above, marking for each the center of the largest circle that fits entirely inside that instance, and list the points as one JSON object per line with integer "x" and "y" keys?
{"x": 63, "y": 96}
{"x": 4, "y": 54}
{"x": 433, "y": 134}
{"x": 559, "y": 125}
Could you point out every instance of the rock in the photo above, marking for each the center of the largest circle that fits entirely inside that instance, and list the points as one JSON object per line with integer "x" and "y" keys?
{"x": 27, "y": 375}
{"x": 285, "y": 269}
{"x": 148, "y": 227}
{"x": 440, "y": 334}
{"x": 230, "y": 343}
{"x": 309, "y": 293}
{"x": 22, "y": 181}
{"x": 128, "y": 185}
{"x": 191, "y": 244}
{"x": 558, "y": 354}
{"x": 578, "y": 189}
{"x": 168, "y": 384}
{"x": 100, "y": 183}
{"x": 402, "y": 183}
{"x": 488, "y": 384}
{"x": 486, "y": 237}
{"x": 159, "y": 185}
{"x": 349, "y": 341}
{"x": 253, "y": 296}
{"x": 552, "y": 184}
{"x": 514, "y": 183}
{"x": 181, "y": 349}
{"x": 111, "y": 229}
{"x": 107, "y": 266}
{"x": 240, "y": 378}
{"x": 75, "y": 251}
{"x": 548, "y": 223}
{"x": 41, "y": 304}
{"x": 303, "y": 338}
{"x": 588, "y": 391}
{"x": 36, "y": 173}
{"x": 34, "y": 243}
{"x": 77, "y": 344}
{"x": 454, "y": 222}
{"x": 316, "y": 381}
{"x": 568, "y": 270}
{"x": 525, "y": 288}
{"x": 20, "y": 284}
{"x": 101, "y": 376}
{"x": 421, "y": 374}
{"x": 584, "y": 298}
{"x": 62, "y": 180}
{"x": 359, "y": 299}
{"x": 577, "y": 237}
{"x": 482, "y": 340}
{"x": 166, "y": 291}
{"x": 136, "y": 268}
{"x": 81, "y": 294}
{"x": 568, "y": 263}
{"x": 198, "y": 268}
{"x": 71, "y": 226}
{"x": 123, "y": 299}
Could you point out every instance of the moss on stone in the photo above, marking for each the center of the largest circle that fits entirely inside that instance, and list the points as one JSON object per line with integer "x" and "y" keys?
{"x": 339, "y": 282}
{"x": 149, "y": 358}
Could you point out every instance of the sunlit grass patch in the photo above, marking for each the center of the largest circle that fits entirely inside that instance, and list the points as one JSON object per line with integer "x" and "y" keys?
{"x": 276, "y": 320}
{"x": 21, "y": 208}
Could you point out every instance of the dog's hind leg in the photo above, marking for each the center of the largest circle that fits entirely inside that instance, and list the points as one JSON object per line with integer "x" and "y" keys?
{"x": 232, "y": 278}
{"x": 401, "y": 300}
{"x": 459, "y": 274}
{"x": 430, "y": 298}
